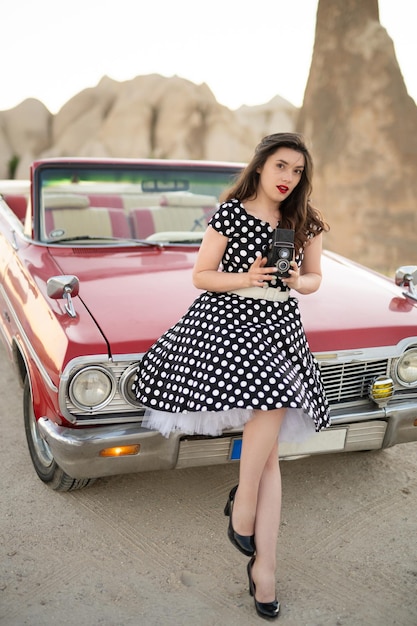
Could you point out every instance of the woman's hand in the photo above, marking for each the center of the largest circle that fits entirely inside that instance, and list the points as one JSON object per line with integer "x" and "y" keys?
{"x": 293, "y": 281}
{"x": 307, "y": 279}
{"x": 259, "y": 275}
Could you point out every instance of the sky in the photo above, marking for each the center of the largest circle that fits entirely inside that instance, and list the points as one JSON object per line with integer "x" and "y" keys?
{"x": 246, "y": 52}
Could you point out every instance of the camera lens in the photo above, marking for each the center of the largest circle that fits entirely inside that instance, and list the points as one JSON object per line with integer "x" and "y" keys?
{"x": 284, "y": 253}
{"x": 283, "y": 265}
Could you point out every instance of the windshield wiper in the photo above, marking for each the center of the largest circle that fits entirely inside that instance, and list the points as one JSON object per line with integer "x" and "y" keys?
{"x": 108, "y": 239}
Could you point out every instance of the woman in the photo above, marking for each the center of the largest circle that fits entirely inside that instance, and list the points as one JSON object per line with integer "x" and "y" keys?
{"x": 239, "y": 356}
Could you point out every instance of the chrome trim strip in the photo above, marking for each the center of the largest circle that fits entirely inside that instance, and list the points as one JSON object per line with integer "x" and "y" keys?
{"x": 4, "y": 335}
{"x": 366, "y": 354}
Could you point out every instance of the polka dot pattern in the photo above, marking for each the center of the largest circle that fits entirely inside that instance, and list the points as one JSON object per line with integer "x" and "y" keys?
{"x": 230, "y": 352}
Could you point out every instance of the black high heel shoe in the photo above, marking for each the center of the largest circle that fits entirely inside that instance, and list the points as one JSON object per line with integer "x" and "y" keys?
{"x": 267, "y": 610}
{"x": 244, "y": 543}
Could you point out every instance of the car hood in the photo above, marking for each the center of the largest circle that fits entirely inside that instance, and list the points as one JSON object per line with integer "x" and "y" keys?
{"x": 356, "y": 308}
{"x": 135, "y": 295}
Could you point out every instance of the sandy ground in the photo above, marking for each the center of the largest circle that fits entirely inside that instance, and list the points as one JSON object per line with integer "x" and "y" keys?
{"x": 152, "y": 548}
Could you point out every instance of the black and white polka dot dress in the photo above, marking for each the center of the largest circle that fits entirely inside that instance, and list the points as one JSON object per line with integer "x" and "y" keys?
{"x": 230, "y": 354}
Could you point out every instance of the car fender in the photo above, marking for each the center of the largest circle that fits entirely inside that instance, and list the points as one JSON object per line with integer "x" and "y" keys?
{"x": 44, "y": 397}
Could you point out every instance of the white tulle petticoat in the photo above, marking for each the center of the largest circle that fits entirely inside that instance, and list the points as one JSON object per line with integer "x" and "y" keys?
{"x": 296, "y": 427}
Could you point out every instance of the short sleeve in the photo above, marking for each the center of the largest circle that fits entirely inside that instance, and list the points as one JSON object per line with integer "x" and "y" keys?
{"x": 223, "y": 220}
{"x": 313, "y": 230}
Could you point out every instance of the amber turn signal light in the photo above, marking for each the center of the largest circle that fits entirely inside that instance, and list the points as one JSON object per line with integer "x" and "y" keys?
{"x": 120, "y": 451}
{"x": 381, "y": 390}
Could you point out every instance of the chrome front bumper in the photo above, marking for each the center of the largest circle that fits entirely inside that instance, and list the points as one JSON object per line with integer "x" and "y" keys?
{"x": 77, "y": 451}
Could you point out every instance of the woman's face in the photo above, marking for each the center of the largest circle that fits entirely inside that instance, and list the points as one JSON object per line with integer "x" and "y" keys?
{"x": 281, "y": 173}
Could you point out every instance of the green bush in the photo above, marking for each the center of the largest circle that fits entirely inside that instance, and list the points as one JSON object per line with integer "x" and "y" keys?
{"x": 12, "y": 166}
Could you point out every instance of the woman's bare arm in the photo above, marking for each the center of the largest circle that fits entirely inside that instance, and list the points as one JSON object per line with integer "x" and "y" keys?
{"x": 206, "y": 273}
{"x": 307, "y": 279}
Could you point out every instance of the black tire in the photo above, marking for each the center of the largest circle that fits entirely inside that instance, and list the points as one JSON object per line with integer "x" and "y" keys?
{"x": 43, "y": 461}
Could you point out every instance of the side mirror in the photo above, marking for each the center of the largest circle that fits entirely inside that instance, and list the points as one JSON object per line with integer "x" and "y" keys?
{"x": 406, "y": 276}
{"x": 66, "y": 287}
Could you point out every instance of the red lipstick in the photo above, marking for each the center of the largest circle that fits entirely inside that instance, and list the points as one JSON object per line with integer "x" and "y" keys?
{"x": 282, "y": 188}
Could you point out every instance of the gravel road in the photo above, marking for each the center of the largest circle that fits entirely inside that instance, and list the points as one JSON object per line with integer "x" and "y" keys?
{"x": 151, "y": 549}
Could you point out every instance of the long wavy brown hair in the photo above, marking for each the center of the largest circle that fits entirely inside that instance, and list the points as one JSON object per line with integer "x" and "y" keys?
{"x": 297, "y": 212}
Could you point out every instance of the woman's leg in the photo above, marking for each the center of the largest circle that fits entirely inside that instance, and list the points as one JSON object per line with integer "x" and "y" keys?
{"x": 257, "y": 505}
{"x": 268, "y": 515}
{"x": 260, "y": 436}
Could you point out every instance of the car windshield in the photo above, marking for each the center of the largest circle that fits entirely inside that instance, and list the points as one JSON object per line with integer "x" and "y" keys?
{"x": 111, "y": 203}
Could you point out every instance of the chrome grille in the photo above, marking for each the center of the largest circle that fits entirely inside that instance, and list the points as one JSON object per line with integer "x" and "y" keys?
{"x": 343, "y": 382}
{"x": 349, "y": 382}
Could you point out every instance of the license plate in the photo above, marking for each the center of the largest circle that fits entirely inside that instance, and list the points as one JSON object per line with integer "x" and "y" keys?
{"x": 235, "y": 450}
{"x": 326, "y": 441}
{"x": 332, "y": 440}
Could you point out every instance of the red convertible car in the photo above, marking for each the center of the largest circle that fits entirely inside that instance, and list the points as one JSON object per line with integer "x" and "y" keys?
{"x": 95, "y": 264}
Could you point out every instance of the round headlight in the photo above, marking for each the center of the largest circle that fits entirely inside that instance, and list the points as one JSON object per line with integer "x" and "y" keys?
{"x": 126, "y": 384}
{"x": 92, "y": 388}
{"x": 407, "y": 368}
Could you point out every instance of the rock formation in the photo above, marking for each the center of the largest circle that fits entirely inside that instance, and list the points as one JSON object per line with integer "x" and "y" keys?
{"x": 362, "y": 126}
{"x": 25, "y": 131}
{"x": 148, "y": 116}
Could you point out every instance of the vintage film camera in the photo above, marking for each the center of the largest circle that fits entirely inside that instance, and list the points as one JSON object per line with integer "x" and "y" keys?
{"x": 281, "y": 252}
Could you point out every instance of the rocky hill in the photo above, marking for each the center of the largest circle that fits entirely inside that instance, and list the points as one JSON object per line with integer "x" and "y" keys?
{"x": 149, "y": 117}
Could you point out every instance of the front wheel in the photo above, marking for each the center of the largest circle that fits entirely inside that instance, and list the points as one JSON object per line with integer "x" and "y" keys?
{"x": 43, "y": 461}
